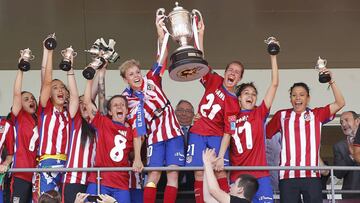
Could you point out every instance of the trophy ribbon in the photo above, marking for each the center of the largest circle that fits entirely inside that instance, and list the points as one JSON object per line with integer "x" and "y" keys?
{"x": 195, "y": 32}
{"x": 162, "y": 49}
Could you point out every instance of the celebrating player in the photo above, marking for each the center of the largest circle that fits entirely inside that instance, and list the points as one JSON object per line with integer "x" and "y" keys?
{"x": 151, "y": 114}
{"x": 114, "y": 143}
{"x": 300, "y": 129}
{"x": 218, "y": 109}
{"x": 23, "y": 116}
{"x": 247, "y": 143}
{"x": 54, "y": 123}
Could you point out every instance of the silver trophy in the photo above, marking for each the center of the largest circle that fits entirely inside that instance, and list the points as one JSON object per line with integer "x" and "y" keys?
{"x": 90, "y": 70}
{"x": 50, "y": 42}
{"x": 187, "y": 62}
{"x": 273, "y": 45}
{"x": 323, "y": 77}
{"x": 100, "y": 52}
{"x": 25, "y": 58}
{"x": 68, "y": 55}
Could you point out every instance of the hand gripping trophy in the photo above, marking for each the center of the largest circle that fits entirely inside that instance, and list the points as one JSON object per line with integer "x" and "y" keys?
{"x": 68, "y": 55}
{"x": 24, "y": 60}
{"x": 187, "y": 62}
{"x": 323, "y": 77}
{"x": 273, "y": 45}
{"x": 100, "y": 53}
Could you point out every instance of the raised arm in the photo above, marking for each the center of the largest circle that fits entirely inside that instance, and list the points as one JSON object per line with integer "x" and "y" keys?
{"x": 270, "y": 94}
{"x": 74, "y": 94}
{"x": 339, "y": 102}
{"x": 16, "y": 106}
{"x": 213, "y": 185}
{"x": 101, "y": 91}
{"x": 90, "y": 107}
{"x": 43, "y": 64}
{"x": 46, "y": 84}
{"x": 159, "y": 22}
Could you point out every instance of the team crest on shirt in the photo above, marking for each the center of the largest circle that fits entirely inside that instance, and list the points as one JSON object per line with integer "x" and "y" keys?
{"x": 2, "y": 129}
{"x": 150, "y": 87}
{"x": 307, "y": 116}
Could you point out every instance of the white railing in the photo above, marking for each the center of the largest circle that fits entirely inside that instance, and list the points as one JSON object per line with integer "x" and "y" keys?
{"x": 228, "y": 168}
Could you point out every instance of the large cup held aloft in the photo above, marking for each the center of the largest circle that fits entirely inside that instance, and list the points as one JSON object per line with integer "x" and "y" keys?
{"x": 187, "y": 62}
{"x": 68, "y": 55}
{"x": 90, "y": 70}
{"x": 273, "y": 45}
{"x": 50, "y": 42}
{"x": 25, "y": 58}
{"x": 323, "y": 77}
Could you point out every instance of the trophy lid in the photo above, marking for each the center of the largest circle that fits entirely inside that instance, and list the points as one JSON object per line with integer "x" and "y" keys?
{"x": 177, "y": 7}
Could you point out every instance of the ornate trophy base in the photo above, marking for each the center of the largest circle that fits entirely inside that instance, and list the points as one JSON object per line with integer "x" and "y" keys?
{"x": 273, "y": 49}
{"x": 324, "y": 78}
{"x": 24, "y": 65}
{"x": 89, "y": 73}
{"x": 65, "y": 65}
{"x": 187, "y": 64}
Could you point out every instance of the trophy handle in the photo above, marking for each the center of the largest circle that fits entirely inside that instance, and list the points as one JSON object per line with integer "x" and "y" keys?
{"x": 63, "y": 52}
{"x": 160, "y": 11}
{"x": 197, "y": 12}
{"x": 74, "y": 54}
{"x": 32, "y": 57}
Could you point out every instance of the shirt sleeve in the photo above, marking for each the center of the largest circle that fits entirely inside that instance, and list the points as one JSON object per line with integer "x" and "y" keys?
{"x": 9, "y": 138}
{"x": 323, "y": 114}
{"x": 273, "y": 126}
{"x": 154, "y": 74}
{"x": 209, "y": 77}
{"x": 98, "y": 120}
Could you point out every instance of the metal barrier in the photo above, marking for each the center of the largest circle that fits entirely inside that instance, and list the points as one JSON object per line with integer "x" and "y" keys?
{"x": 228, "y": 168}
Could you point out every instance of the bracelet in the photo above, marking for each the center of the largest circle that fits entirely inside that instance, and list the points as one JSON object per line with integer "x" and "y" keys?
{"x": 70, "y": 74}
{"x": 331, "y": 82}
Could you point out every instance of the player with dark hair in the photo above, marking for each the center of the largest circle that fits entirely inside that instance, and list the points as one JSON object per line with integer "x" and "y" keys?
{"x": 300, "y": 129}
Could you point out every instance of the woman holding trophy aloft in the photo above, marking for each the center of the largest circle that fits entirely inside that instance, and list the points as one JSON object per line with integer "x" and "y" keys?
{"x": 151, "y": 114}
{"x": 54, "y": 121}
{"x": 300, "y": 129}
{"x": 217, "y": 110}
{"x": 23, "y": 116}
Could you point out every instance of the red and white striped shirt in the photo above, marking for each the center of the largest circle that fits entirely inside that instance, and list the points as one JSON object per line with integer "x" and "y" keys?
{"x": 159, "y": 128}
{"x": 81, "y": 155}
{"x": 300, "y": 139}
{"x": 26, "y": 143}
{"x": 54, "y": 129}
{"x": 6, "y": 137}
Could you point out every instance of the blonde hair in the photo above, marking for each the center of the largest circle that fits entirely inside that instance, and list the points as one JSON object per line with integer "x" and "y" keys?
{"x": 126, "y": 65}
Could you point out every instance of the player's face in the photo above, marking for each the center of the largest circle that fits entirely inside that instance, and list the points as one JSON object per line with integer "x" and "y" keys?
{"x": 184, "y": 113}
{"x": 58, "y": 93}
{"x": 118, "y": 109}
{"x": 134, "y": 78}
{"x": 348, "y": 124}
{"x": 299, "y": 99}
{"x": 247, "y": 98}
{"x": 28, "y": 102}
{"x": 82, "y": 106}
{"x": 232, "y": 76}
{"x": 235, "y": 189}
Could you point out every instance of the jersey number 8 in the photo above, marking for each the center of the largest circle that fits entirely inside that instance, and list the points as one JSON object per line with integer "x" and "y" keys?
{"x": 117, "y": 153}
